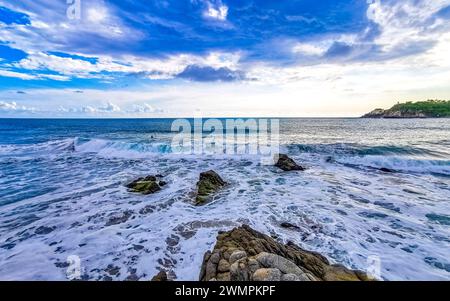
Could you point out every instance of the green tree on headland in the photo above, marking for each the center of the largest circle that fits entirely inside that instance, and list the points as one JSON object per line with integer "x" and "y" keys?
{"x": 421, "y": 109}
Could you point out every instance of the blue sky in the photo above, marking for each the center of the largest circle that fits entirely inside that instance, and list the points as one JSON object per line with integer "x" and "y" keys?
{"x": 79, "y": 58}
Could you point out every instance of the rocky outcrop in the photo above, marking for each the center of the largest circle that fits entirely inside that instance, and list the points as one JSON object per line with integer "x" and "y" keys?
{"x": 147, "y": 185}
{"x": 244, "y": 254}
{"x": 287, "y": 164}
{"x": 377, "y": 113}
{"x": 380, "y": 113}
{"x": 209, "y": 184}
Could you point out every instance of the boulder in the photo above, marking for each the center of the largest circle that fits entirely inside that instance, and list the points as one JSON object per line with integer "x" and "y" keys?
{"x": 146, "y": 185}
{"x": 161, "y": 276}
{"x": 210, "y": 183}
{"x": 287, "y": 164}
{"x": 253, "y": 256}
{"x": 267, "y": 275}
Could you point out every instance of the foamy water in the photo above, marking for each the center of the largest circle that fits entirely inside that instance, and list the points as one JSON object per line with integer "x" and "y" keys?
{"x": 63, "y": 182}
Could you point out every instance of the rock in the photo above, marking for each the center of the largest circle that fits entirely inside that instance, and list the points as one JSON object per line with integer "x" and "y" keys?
{"x": 222, "y": 277}
{"x": 115, "y": 220}
{"x": 210, "y": 182}
{"x": 236, "y": 255}
{"x": 377, "y": 113}
{"x": 249, "y": 251}
{"x": 161, "y": 276}
{"x": 113, "y": 270}
{"x": 239, "y": 271}
{"x": 44, "y": 230}
{"x": 224, "y": 266}
{"x": 289, "y": 226}
{"x": 267, "y": 275}
{"x": 275, "y": 261}
{"x": 290, "y": 277}
{"x": 287, "y": 164}
{"x": 387, "y": 170}
{"x": 147, "y": 185}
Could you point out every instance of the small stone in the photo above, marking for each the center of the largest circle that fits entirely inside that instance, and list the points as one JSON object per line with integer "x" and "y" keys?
{"x": 267, "y": 275}
{"x": 223, "y": 277}
{"x": 239, "y": 271}
{"x": 223, "y": 266}
{"x": 236, "y": 255}
{"x": 253, "y": 265}
{"x": 215, "y": 257}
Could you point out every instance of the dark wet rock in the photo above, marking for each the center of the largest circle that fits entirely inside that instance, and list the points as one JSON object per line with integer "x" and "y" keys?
{"x": 147, "y": 209}
{"x": 147, "y": 185}
{"x": 172, "y": 241}
{"x": 372, "y": 215}
{"x": 138, "y": 247}
{"x": 437, "y": 264}
{"x": 161, "y": 276}
{"x": 330, "y": 159}
{"x": 244, "y": 254}
{"x": 132, "y": 277}
{"x": 210, "y": 183}
{"x": 289, "y": 226}
{"x": 62, "y": 265}
{"x": 8, "y": 246}
{"x": 43, "y": 230}
{"x": 389, "y": 206}
{"x": 287, "y": 164}
{"x": 112, "y": 270}
{"x": 115, "y": 220}
{"x": 439, "y": 218}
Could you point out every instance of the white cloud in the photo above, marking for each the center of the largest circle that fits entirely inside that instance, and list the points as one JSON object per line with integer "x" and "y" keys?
{"x": 37, "y": 76}
{"x": 405, "y": 22}
{"x": 97, "y": 14}
{"x": 107, "y": 108}
{"x": 145, "y": 108}
{"x": 51, "y": 29}
{"x": 24, "y": 76}
{"x": 14, "y": 107}
{"x": 217, "y": 11}
{"x": 164, "y": 68}
{"x": 309, "y": 49}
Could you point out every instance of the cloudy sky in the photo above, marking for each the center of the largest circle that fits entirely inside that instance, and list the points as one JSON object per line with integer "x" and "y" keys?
{"x": 173, "y": 58}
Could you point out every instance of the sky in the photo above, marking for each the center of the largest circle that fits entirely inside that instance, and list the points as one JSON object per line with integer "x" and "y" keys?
{"x": 220, "y": 58}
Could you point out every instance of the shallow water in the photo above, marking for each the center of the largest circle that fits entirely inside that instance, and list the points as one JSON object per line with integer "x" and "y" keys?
{"x": 63, "y": 180}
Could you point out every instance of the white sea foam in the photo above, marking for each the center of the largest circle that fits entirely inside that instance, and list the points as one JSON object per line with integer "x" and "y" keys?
{"x": 348, "y": 214}
{"x": 397, "y": 163}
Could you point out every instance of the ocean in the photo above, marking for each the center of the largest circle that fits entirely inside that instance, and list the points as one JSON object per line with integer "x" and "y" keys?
{"x": 63, "y": 180}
